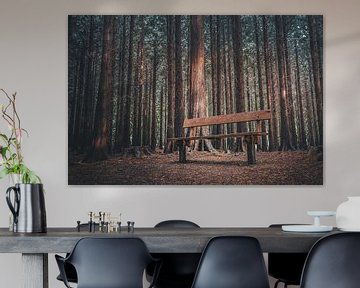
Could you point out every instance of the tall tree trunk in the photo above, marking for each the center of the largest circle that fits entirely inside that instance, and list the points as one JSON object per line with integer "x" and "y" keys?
{"x": 89, "y": 96}
{"x": 238, "y": 74}
{"x": 141, "y": 98}
{"x": 171, "y": 82}
{"x": 231, "y": 141}
{"x": 146, "y": 111}
{"x": 100, "y": 145}
{"x": 300, "y": 101}
{"x": 197, "y": 86}
{"x": 290, "y": 100}
{"x": 284, "y": 113}
{"x": 269, "y": 91}
{"x": 190, "y": 101}
{"x": 315, "y": 111}
{"x": 128, "y": 94}
{"x": 214, "y": 56}
{"x": 227, "y": 141}
{"x": 136, "y": 136}
{"x": 275, "y": 99}
{"x": 260, "y": 84}
{"x": 310, "y": 116}
{"x": 120, "y": 122}
{"x": 74, "y": 107}
{"x": 80, "y": 95}
{"x": 316, "y": 73}
{"x": 161, "y": 128}
{"x": 153, "y": 113}
{"x": 219, "y": 100}
{"x": 179, "y": 97}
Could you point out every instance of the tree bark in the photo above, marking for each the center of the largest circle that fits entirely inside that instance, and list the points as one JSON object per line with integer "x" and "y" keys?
{"x": 219, "y": 90}
{"x": 121, "y": 95}
{"x": 260, "y": 84}
{"x": 316, "y": 72}
{"x": 146, "y": 111}
{"x": 238, "y": 74}
{"x": 100, "y": 147}
{"x": 161, "y": 128}
{"x": 126, "y": 116}
{"x": 300, "y": 101}
{"x": 290, "y": 100}
{"x": 170, "y": 81}
{"x": 230, "y": 128}
{"x": 197, "y": 86}
{"x": 153, "y": 102}
{"x": 179, "y": 97}
{"x": 284, "y": 113}
{"x": 136, "y": 135}
{"x": 269, "y": 90}
{"x": 213, "y": 50}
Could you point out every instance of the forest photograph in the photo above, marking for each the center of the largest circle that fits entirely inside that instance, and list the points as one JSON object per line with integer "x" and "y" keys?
{"x": 195, "y": 100}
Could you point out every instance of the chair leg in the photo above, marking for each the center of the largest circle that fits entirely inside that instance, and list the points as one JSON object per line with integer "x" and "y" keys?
{"x": 277, "y": 283}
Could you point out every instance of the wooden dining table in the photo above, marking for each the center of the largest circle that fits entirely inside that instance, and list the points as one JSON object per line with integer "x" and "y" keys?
{"x": 35, "y": 247}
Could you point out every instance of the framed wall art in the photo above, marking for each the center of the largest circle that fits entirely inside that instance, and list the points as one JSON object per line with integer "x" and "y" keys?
{"x": 195, "y": 100}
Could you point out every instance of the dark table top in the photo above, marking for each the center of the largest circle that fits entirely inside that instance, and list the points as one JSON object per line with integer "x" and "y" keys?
{"x": 158, "y": 240}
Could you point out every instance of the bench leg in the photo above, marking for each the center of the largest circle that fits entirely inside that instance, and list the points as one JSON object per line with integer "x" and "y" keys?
{"x": 250, "y": 147}
{"x": 182, "y": 152}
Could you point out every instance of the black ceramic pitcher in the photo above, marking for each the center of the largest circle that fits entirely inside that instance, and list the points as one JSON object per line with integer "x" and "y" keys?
{"x": 28, "y": 207}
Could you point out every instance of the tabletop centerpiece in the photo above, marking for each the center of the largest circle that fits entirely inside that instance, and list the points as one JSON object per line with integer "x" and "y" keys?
{"x": 25, "y": 197}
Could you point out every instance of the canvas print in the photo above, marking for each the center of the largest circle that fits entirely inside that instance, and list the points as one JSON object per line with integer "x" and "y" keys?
{"x": 195, "y": 100}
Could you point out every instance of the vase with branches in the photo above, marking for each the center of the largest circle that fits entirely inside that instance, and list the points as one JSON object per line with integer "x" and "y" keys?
{"x": 11, "y": 158}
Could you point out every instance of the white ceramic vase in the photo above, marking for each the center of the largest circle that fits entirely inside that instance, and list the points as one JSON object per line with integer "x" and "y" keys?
{"x": 348, "y": 214}
{"x": 14, "y": 179}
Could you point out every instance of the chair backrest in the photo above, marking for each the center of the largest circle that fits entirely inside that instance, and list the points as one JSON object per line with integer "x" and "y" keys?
{"x": 177, "y": 268}
{"x": 286, "y": 266}
{"x": 232, "y": 262}
{"x": 110, "y": 262}
{"x": 176, "y": 224}
{"x": 333, "y": 262}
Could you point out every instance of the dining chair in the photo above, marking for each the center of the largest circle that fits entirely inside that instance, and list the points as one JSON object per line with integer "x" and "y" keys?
{"x": 232, "y": 262}
{"x": 285, "y": 267}
{"x": 178, "y": 269}
{"x": 70, "y": 271}
{"x": 333, "y": 262}
{"x": 108, "y": 263}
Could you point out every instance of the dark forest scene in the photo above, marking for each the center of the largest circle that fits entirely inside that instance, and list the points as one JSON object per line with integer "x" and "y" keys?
{"x": 195, "y": 100}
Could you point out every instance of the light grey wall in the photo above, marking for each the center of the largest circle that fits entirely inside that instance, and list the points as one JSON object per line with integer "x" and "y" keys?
{"x": 33, "y": 62}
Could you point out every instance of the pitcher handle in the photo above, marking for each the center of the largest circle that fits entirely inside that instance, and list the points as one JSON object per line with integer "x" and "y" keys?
{"x": 13, "y": 208}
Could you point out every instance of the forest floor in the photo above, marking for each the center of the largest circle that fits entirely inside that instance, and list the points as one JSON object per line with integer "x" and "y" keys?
{"x": 272, "y": 168}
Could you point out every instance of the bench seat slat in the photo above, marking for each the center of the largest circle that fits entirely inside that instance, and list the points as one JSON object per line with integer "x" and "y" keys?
{"x": 228, "y": 119}
{"x": 241, "y": 134}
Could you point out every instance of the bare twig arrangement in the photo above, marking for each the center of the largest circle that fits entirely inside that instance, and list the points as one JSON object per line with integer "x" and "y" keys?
{"x": 12, "y": 160}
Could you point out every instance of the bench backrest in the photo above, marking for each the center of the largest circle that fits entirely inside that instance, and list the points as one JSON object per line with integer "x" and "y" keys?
{"x": 227, "y": 119}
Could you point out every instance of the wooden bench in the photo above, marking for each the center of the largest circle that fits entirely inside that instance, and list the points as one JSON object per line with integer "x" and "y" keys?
{"x": 251, "y": 137}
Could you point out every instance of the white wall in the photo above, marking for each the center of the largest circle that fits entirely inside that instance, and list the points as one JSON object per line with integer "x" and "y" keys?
{"x": 33, "y": 62}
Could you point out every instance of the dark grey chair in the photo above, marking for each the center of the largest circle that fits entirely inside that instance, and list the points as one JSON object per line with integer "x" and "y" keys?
{"x": 178, "y": 269}
{"x": 286, "y": 267}
{"x": 232, "y": 262}
{"x": 69, "y": 269}
{"x": 333, "y": 262}
{"x": 108, "y": 263}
